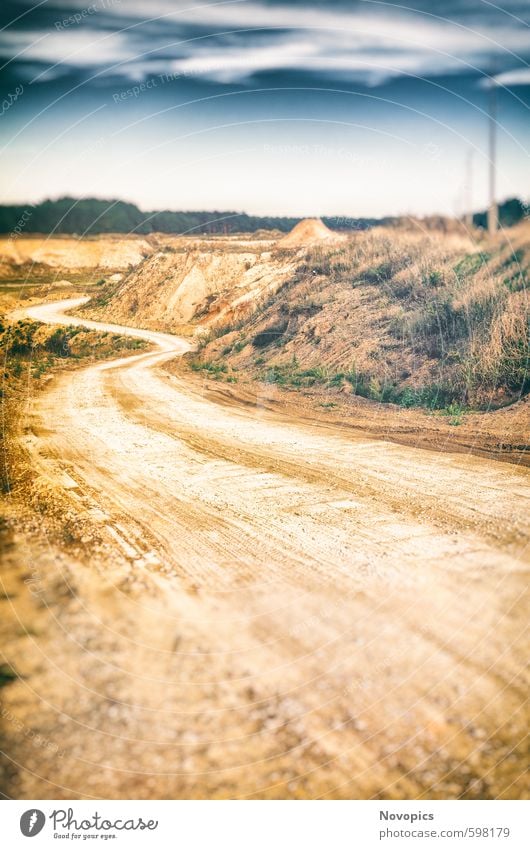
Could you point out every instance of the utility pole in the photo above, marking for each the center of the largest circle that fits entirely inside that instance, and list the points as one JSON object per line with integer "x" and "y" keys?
{"x": 469, "y": 190}
{"x": 493, "y": 211}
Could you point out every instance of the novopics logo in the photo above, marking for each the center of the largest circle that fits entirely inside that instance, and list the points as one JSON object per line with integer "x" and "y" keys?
{"x": 32, "y": 822}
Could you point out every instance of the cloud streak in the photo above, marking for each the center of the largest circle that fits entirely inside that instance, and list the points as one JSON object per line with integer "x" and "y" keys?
{"x": 233, "y": 42}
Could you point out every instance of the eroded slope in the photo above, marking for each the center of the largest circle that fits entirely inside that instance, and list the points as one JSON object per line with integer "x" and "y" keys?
{"x": 201, "y": 281}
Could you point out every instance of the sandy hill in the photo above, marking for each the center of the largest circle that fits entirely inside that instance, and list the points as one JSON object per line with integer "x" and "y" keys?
{"x": 194, "y": 281}
{"x": 309, "y": 232}
{"x": 413, "y": 318}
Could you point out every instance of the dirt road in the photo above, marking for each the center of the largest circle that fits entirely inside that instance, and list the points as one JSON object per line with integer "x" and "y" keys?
{"x": 288, "y": 610}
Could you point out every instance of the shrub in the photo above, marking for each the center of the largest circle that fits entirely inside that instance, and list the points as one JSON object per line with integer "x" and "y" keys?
{"x": 435, "y": 278}
{"x": 212, "y": 368}
{"x": 57, "y": 343}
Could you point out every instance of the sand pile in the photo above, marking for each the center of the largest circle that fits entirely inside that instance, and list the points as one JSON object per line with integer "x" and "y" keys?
{"x": 308, "y": 232}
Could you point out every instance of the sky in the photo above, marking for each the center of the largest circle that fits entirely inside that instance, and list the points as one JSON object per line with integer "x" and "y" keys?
{"x": 272, "y": 107}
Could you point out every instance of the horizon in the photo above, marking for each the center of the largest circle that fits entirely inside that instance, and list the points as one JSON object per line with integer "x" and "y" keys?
{"x": 243, "y": 212}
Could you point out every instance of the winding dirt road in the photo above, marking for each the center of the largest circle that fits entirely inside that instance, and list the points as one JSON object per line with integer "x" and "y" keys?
{"x": 324, "y": 615}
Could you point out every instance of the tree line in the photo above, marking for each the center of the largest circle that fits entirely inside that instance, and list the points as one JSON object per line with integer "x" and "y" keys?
{"x": 92, "y": 216}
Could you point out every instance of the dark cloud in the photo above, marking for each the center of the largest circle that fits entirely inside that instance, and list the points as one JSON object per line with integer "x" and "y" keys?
{"x": 170, "y": 83}
{"x": 366, "y": 42}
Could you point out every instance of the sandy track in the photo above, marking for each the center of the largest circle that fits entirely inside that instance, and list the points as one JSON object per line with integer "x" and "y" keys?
{"x": 350, "y": 612}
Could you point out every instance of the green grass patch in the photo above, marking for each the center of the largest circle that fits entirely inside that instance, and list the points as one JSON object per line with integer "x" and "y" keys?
{"x": 470, "y": 264}
{"x": 7, "y": 675}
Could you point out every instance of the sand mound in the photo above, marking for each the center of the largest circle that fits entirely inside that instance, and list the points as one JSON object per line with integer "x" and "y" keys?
{"x": 307, "y": 232}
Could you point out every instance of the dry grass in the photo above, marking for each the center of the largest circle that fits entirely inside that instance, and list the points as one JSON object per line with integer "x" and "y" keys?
{"x": 422, "y": 318}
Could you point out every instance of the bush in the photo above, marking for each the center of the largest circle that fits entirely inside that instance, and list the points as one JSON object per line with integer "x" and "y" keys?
{"x": 215, "y": 369}
{"x": 57, "y": 343}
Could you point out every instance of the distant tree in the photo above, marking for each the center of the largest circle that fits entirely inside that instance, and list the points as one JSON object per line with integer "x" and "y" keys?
{"x": 511, "y": 212}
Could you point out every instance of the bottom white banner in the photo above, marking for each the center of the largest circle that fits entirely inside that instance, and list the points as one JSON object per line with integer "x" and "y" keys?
{"x": 262, "y": 825}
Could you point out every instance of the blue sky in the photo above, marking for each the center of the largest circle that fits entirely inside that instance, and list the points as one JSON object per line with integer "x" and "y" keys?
{"x": 299, "y": 108}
